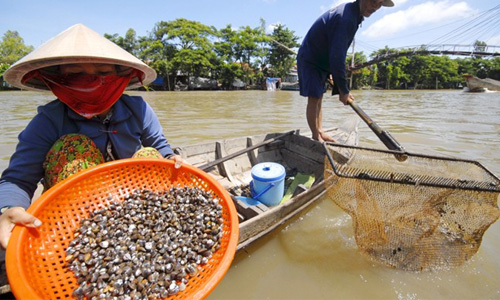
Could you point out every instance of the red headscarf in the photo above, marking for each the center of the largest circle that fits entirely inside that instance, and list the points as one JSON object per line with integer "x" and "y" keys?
{"x": 87, "y": 95}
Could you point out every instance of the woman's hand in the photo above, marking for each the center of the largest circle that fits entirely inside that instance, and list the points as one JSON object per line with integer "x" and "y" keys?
{"x": 178, "y": 160}
{"x": 15, "y": 216}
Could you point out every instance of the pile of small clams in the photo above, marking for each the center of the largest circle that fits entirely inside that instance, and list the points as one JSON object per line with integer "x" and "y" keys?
{"x": 146, "y": 246}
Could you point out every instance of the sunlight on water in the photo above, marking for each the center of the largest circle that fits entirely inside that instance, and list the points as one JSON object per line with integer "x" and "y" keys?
{"x": 315, "y": 255}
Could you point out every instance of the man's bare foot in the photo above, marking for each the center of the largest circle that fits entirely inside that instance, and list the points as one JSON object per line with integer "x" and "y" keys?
{"x": 323, "y": 137}
{"x": 327, "y": 138}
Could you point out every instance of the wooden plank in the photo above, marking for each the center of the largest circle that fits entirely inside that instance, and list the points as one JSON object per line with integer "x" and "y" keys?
{"x": 268, "y": 141}
{"x": 249, "y": 211}
{"x": 4, "y": 284}
{"x": 251, "y": 154}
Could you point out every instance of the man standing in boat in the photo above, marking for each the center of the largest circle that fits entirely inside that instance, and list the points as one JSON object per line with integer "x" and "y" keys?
{"x": 323, "y": 52}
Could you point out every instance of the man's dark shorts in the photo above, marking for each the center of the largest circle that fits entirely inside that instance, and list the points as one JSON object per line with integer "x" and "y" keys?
{"x": 311, "y": 79}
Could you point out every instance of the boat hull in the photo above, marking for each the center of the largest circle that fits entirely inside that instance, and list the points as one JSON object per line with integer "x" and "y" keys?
{"x": 289, "y": 86}
{"x": 476, "y": 84}
{"x": 296, "y": 152}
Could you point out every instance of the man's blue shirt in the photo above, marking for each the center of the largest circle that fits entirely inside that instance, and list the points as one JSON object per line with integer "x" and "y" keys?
{"x": 327, "y": 41}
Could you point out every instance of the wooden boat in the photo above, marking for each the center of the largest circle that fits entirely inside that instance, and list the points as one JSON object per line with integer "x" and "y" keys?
{"x": 230, "y": 162}
{"x": 290, "y": 86}
{"x": 476, "y": 84}
{"x": 290, "y": 81}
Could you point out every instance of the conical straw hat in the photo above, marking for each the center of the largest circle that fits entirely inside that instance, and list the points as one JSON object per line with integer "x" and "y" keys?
{"x": 77, "y": 44}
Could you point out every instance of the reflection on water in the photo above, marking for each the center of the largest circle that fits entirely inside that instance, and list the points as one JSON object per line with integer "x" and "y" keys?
{"x": 314, "y": 256}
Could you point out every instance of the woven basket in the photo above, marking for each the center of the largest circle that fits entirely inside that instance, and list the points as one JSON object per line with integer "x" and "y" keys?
{"x": 35, "y": 258}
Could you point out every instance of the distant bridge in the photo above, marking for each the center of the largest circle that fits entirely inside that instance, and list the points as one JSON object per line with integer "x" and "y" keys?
{"x": 446, "y": 49}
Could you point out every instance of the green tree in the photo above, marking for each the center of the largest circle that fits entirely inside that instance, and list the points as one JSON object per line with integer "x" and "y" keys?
{"x": 281, "y": 57}
{"x": 465, "y": 65}
{"x": 185, "y": 47}
{"x": 229, "y": 73}
{"x": 480, "y": 67}
{"x": 12, "y": 48}
{"x": 159, "y": 56}
{"x": 246, "y": 44}
{"x": 401, "y": 74}
{"x": 445, "y": 71}
{"x": 385, "y": 67}
{"x": 224, "y": 46}
{"x": 494, "y": 71}
{"x": 361, "y": 77}
{"x": 248, "y": 51}
{"x": 128, "y": 43}
{"x": 480, "y": 46}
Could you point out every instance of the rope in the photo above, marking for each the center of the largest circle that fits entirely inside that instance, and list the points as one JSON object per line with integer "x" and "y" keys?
{"x": 484, "y": 21}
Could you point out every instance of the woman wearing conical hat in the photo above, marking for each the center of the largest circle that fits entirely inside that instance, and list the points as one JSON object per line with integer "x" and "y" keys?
{"x": 90, "y": 122}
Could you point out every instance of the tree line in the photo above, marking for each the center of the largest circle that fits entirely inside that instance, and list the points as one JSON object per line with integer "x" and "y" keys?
{"x": 422, "y": 71}
{"x": 182, "y": 48}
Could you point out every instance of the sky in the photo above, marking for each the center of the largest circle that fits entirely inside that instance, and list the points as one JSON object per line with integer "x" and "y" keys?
{"x": 408, "y": 23}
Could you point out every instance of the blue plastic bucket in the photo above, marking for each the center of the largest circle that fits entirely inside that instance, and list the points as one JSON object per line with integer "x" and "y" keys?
{"x": 268, "y": 183}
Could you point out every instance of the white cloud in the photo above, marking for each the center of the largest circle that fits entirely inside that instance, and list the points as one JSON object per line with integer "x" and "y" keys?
{"x": 418, "y": 15}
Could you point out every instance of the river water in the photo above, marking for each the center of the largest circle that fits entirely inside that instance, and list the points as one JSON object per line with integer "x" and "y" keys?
{"x": 315, "y": 256}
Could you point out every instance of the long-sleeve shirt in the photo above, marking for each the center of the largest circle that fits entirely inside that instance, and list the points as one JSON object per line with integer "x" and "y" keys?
{"x": 327, "y": 41}
{"x": 133, "y": 124}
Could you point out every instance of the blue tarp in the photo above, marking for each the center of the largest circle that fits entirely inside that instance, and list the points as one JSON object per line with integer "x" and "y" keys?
{"x": 158, "y": 81}
{"x": 271, "y": 83}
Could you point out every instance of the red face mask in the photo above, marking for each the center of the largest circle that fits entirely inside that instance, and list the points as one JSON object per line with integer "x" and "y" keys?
{"x": 87, "y": 95}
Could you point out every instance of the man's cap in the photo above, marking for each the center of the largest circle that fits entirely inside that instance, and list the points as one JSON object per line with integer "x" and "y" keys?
{"x": 388, "y": 3}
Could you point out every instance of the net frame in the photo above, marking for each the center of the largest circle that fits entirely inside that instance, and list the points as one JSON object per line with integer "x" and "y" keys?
{"x": 466, "y": 183}
{"x": 412, "y": 211}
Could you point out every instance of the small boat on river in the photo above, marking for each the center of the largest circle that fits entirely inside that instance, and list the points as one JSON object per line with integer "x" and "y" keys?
{"x": 290, "y": 81}
{"x": 290, "y": 86}
{"x": 476, "y": 84}
{"x": 230, "y": 161}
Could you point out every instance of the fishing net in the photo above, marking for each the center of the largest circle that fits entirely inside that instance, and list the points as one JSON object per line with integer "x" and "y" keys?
{"x": 410, "y": 211}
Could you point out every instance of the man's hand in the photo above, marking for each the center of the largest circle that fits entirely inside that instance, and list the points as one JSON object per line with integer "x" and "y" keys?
{"x": 15, "y": 216}
{"x": 346, "y": 98}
